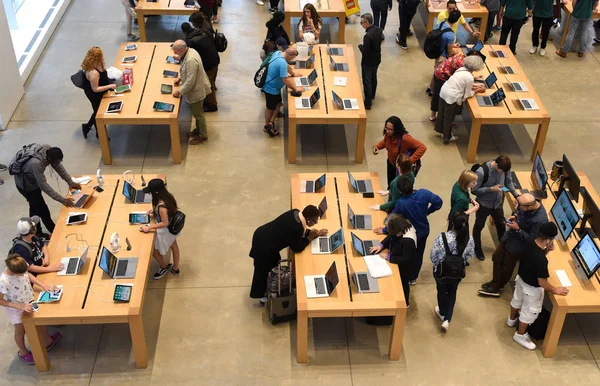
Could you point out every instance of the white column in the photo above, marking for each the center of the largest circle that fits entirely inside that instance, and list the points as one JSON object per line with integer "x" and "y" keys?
{"x": 10, "y": 78}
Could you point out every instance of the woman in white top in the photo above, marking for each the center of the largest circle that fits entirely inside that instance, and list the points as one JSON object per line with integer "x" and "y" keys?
{"x": 310, "y": 22}
{"x": 454, "y": 92}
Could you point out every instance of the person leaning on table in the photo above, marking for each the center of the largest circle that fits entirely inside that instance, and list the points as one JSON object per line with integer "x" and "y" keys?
{"x": 32, "y": 248}
{"x": 288, "y": 230}
{"x": 194, "y": 85}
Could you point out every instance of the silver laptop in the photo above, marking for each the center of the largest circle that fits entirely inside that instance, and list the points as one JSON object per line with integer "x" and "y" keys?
{"x": 489, "y": 81}
{"x": 518, "y": 86}
{"x": 338, "y": 66}
{"x": 529, "y": 104}
{"x": 360, "y": 186}
{"x": 493, "y": 99}
{"x": 323, "y": 207}
{"x": 509, "y": 70}
{"x": 359, "y": 221}
{"x": 315, "y": 186}
{"x": 134, "y": 195}
{"x": 363, "y": 247}
{"x": 73, "y": 265}
{"x": 499, "y": 54}
{"x": 327, "y": 244}
{"x": 334, "y": 51}
{"x": 363, "y": 281}
{"x": 321, "y": 286}
{"x": 305, "y": 63}
{"x": 345, "y": 104}
{"x": 308, "y": 103}
{"x": 305, "y": 81}
{"x": 117, "y": 268}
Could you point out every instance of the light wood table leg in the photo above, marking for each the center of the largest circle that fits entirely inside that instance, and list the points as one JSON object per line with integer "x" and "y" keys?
{"x": 483, "y": 26}
{"x": 104, "y": 144}
{"x": 138, "y": 341}
{"x": 286, "y": 25}
{"x": 430, "y": 19}
{"x": 36, "y": 345}
{"x": 565, "y": 30}
{"x": 141, "y": 26}
{"x": 474, "y": 140}
{"x": 302, "y": 337}
{"x": 292, "y": 140}
{"x": 557, "y": 319}
{"x": 175, "y": 141}
{"x": 342, "y": 30}
{"x": 397, "y": 334}
{"x": 360, "y": 140}
{"x": 540, "y": 138}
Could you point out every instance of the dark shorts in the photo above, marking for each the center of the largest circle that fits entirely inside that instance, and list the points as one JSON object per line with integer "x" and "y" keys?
{"x": 273, "y": 100}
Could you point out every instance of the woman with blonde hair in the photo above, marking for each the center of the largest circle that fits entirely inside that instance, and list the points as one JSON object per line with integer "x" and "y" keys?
{"x": 310, "y": 22}
{"x": 98, "y": 83}
{"x": 460, "y": 198}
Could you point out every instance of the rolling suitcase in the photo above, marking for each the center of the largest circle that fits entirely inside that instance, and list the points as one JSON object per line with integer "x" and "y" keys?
{"x": 281, "y": 296}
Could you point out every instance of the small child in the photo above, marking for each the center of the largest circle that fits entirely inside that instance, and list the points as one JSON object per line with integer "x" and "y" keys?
{"x": 16, "y": 286}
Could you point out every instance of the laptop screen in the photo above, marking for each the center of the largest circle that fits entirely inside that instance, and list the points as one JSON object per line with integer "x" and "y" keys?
{"x": 498, "y": 96}
{"x": 337, "y": 239}
{"x": 478, "y": 46}
{"x": 312, "y": 76}
{"x": 332, "y": 278}
{"x": 323, "y": 207}
{"x": 129, "y": 191}
{"x": 351, "y": 215}
{"x": 107, "y": 261}
{"x": 352, "y": 180}
{"x": 338, "y": 100}
{"x": 314, "y": 98}
{"x": 332, "y": 61}
{"x": 358, "y": 244}
{"x": 490, "y": 80}
{"x": 320, "y": 183}
{"x": 311, "y": 59}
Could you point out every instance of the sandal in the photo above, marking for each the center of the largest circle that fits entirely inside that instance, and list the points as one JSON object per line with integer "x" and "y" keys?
{"x": 270, "y": 129}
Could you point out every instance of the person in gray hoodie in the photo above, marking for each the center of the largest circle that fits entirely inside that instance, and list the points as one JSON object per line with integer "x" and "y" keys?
{"x": 31, "y": 182}
{"x": 493, "y": 6}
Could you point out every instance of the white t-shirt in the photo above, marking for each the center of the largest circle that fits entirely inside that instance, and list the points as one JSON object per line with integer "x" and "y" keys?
{"x": 308, "y": 28}
{"x": 458, "y": 88}
{"x": 17, "y": 288}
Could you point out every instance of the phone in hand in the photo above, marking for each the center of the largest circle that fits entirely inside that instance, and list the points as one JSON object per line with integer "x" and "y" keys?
{"x": 74, "y": 192}
{"x": 505, "y": 189}
{"x": 507, "y": 220}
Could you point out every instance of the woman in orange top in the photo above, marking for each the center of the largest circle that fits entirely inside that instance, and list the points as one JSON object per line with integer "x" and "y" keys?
{"x": 396, "y": 140}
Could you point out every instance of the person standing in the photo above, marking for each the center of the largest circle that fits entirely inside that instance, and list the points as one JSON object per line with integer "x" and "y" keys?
{"x": 492, "y": 176}
{"x": 405, "y": 169}
{"x": 532, "y": 280}
{"x": 406, "y": 11}
{"x": 291, "y": 229}
{"x": 543, "y": 17}
{"x": 459, "y": 243}
{"x": 460, "y": 200}
{"x": 581, "y": 20}
{"x": 442, "y": 16}
{"x": 493, "y": 6}
{"x": 371, "y": 57}
{"x": 31, "y": 181}
{"x": 524, "y": 225}
{"x": 310, "y": 22}
{"x": 380, "y": 10}
{"x": 443, "y": 71}
{"x": 516, "y": 13}
{"x": 130, "y": 16}
{"x": 195, "y": 86}
{"x": 206, "y": 7}
{"x": 32, "y": 249}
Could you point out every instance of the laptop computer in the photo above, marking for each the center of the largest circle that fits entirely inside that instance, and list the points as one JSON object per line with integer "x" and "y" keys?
{"x": 363, "y": 281}
{"x": 489, "y": 81}
{"x": 476, "y": 47}
{"x": 334, "y": 51}
{"x": 363, "y": 247}
{"x": 360, "y": 186}
{"x": 359, "y": 221}
{"x": 323, "y": 207}
{"x": 117, "y": 268}
{"x": 491, "y": 100}
{"x": 517, "y": 86}
{"x": 327, "y": 244}
{"x": 499, "y": 54}
{"x": 321, "y": 286}
{"x": 81, "y": 199}
{"x": 134, "y": 195}
{"x": 73, "y": 265}
{"x": 313, "y": 186}
{"x": 338, "y": 66}
{"x": 305, "y": 63}
{"x": 529, "y": 104}
{"x": 308, "y": 103}
{"x": 508, "y": 70}
{"x": 305, "y": 81}
{"x": 346, "y": 103}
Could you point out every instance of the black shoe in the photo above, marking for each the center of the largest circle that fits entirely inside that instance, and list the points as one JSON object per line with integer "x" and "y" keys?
{"x": 484, "y": 285}
{"x": 162, "y": 272}
{"x": 85, "y": 129}
{"x": 480, "y": 255}
{"x": 209, "y": 108}
{"x": 367, "y": 107}
{"x": 467, "y": 264}
{"x": 410, "y": 33}
{"x": 490, "y": 291}
{"x": 174, "y": 271}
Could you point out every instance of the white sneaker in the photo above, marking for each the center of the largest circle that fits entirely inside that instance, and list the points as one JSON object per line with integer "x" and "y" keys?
{"x": 524, "y": 340}
{"x": 511, "y": 323}
{"x": 263, "y": 301}
{"x": 260, "y": 2}
{"x": 446, "y": 326}
{"x": 437, "y": 312}
{"x": 533, "y": 50}
{"x": 542, "y": 51}
{"x": 413, "y": 282}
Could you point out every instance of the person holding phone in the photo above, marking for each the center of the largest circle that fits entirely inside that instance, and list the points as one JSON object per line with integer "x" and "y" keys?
{"x": 460, "y": 200}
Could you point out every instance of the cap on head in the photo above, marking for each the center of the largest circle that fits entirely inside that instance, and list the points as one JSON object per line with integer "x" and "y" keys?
{"x": 281, "y": 42}
{"x": 154, "y": 185}
{"x": 25, "y": 226}
{"x": 548, "y": 231}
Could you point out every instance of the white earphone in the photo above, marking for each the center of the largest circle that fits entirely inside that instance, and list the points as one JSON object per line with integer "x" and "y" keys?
{"x": 99, "y": 177}
{"x": 115, "y": 242}
{"x": 126, "y": 174}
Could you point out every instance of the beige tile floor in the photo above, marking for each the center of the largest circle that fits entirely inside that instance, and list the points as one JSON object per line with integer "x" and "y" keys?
{"x": 201, "y": 327}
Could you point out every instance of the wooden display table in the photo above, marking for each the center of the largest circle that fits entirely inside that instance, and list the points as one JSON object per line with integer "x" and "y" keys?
{"x": 345, "y": 301}
{"x": 88, "y": 296}
{"x": 467, "y": 9}
{"x": 159, "y": 7}
{"x": 138, "y": 103}
{"x": 325, "y": 8}
{"x": 510, "y": 110}
{"x": 568, "y": 8}
{"x": 327, "y": 112}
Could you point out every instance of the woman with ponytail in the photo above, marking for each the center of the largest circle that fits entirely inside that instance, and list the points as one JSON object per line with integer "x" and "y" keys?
{"x": 460, "y": 243}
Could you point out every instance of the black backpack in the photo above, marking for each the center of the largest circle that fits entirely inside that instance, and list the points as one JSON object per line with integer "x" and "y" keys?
{"x": 260, "y": 77}
{"x": 22, "y": 157}
{"x": 220, "y": 41}
{"x": 433, "y": 42}
{"x": 486, "y": 171}
{"x": 452, "y": 269}
{"x": 17, "y": 241}
{"x": 176, "y": 223}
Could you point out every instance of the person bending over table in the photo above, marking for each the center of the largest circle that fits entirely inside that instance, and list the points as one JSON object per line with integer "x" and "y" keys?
{"x": 32, "y": 248}
{"x": 448, "y": 46}
{"x": 288, "y": 230}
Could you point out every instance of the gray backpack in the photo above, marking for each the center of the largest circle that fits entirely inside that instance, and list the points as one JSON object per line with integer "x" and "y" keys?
{"x": 22, "y": 157}
{"x": 17, "y": 241}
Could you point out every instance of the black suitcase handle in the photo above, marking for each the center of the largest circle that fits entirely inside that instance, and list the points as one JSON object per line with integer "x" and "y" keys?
{"x": 279, "y": 265}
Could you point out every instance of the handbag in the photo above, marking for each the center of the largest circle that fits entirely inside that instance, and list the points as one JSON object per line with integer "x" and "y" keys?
{"x": 79, "y": 80}
{"x": 409, "y": 152}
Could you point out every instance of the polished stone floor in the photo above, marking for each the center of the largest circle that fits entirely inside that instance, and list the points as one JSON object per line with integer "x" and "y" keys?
{"x": 201, "y": 327}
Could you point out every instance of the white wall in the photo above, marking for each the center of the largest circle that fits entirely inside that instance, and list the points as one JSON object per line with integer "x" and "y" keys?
{"x": 11, "y": 90}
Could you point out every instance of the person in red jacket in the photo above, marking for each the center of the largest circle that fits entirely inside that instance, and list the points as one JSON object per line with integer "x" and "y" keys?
{"x": 396, "y": 140}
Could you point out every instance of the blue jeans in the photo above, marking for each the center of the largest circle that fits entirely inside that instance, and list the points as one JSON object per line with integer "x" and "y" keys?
{"x": 446, "y": 297}
{"x": 582, "y": 27}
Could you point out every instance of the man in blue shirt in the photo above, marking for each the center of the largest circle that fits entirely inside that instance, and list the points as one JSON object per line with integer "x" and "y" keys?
{"x": 277, "y": 77}
{"x": 447, "y": 44}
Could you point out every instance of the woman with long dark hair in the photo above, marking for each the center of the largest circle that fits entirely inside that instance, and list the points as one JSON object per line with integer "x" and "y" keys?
{"x": 460, "y": 243}
{"x": 164, "y": 207}
{"x": 97, "y": 84}
{"x": 310, "y": 22}
{"x": 396, "y": 140}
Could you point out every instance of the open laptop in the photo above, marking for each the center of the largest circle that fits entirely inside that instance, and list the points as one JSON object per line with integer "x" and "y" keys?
{"x": 334, "y": 51}
{"x": 499, "y": 54}
{"x": 491, "y": 100}
{"x": 360, "y": 186}
{"x": 363, "y": 281}
{"x": 338, "y": 66}
{"x": 508, "y": 69}
{"x": 321, "y": 286}
{"x": 308, "y": 103}
{"x": 117, "y": 268}
{"x": 359, "y": 221}
{"x": 346, "y": 103}
{"x": 489, "y": 81}
{"x": 134, "y": 195}
{"x": 476, "y": 47}
{"x": 327, "y": 244}
{"x": 305, "y": 63}
{"x": 314, "y": 186}
{"x": 323, "y": 207}
{"x": 517, "y": 86}
{"x": 81, "y": 199}
{"x": 363, "y": 247}
{"x": 73, "y": 265}
{"x": 305, "y": 81}
{"x": 529, "y": 104}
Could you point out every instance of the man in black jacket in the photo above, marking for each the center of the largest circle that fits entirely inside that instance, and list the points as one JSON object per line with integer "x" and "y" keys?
{"x": 371, "y": 57}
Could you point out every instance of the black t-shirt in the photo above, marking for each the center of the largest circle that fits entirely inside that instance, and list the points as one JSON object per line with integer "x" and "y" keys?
{"x": 36, "y": 257}
{"x": 534, "y": 264}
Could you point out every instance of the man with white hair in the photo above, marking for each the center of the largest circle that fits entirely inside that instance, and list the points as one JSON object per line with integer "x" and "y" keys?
{"x": 194, "y": 85}
{"x": 371, "y": 57}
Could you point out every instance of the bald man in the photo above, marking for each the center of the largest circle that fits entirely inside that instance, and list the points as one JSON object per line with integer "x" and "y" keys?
{"x": 523, "y": 225}
{"x": 194, "y": 85}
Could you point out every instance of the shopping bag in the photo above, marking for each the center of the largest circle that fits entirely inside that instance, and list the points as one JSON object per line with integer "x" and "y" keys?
{"x": 128, "y": 76}
{"x": 351, "y": 7}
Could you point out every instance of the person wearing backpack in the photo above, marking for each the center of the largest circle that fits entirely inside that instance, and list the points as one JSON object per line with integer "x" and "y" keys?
{"x": 406, "y": 11}
{"x": 32, "y": 249}
{"x": 516, "y": 13}
{"x": 164, "y": 207}
{"x": 440, "y": 44}
{"x": 28, "y": 167}
{"x": 450, "y": 253}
